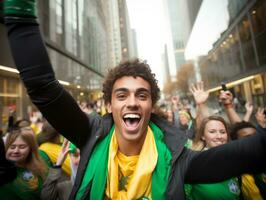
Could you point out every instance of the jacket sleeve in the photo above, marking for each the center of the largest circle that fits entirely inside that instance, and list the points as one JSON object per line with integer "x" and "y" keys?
{"x": 260, "y": 129}
{"x": 8, "y": 171}
{"x": 247, "y": 155}
{"x": 53, "y": 189}
{"x": 49, "y": 187}
{"x": 34, "y": 66}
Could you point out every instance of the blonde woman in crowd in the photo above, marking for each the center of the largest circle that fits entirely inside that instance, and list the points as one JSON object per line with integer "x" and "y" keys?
{"x": 213, "y": 132}
{"x": 22, "y": 149}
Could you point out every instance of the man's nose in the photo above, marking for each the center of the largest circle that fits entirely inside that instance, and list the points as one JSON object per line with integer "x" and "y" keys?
{"x": 132, "y": 101}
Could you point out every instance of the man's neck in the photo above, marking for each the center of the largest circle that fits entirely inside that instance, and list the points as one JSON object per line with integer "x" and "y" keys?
{"x": 129, "y": 148}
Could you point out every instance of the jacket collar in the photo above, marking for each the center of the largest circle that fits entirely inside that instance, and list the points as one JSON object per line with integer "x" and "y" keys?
{"x": 175, "y": 138}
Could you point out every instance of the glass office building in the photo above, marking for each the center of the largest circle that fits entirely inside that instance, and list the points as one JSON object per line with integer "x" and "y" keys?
{"x": 239, "y": 56}
{"x": 77, "y": 35}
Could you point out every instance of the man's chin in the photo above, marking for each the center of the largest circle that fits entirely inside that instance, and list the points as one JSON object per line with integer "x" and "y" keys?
{"x": 129, "y": 135}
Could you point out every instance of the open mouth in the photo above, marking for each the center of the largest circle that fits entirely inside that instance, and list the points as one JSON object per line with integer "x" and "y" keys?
{"x": 131, "y": 120}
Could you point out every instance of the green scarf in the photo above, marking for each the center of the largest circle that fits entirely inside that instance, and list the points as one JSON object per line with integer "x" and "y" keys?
{"x": 96, "y": 172}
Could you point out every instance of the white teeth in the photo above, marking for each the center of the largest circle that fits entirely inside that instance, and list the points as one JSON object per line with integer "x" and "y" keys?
{"x": 135, "y": 116}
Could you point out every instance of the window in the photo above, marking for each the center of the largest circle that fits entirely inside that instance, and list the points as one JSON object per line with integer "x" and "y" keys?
{"x": 258, "y": 16}
{"x": 246, "y": 43}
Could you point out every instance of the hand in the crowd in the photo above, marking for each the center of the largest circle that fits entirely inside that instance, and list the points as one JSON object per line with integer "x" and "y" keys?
{"x": 200, "y": 96}
{"x": 63, "y": 154}
{"x": 75, "y": 157}
{"x": 261, "y": 118}
{"x": 226, "y": 97}
{"x": 175, "y": 100}
{"x": 249, "y": 107}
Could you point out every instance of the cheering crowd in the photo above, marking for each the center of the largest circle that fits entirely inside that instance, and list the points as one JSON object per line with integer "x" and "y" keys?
{"x": 132, "y": 150}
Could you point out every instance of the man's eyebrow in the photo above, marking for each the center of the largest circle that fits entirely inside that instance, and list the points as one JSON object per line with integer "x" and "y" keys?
{"x": 143, "y": 90}
{"x": 126, "y": 90}
{"x": 121, "y": 90}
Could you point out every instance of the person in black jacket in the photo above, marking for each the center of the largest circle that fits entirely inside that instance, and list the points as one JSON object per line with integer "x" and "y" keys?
{"x": 129, "y": 153}
{"x": 253, "y": 186}
{"x": 8, "y": 171}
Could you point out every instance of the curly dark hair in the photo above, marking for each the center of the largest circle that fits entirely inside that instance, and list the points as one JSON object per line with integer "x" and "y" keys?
{"x": 238, "y": 126}
{"x": 135, "y": 68}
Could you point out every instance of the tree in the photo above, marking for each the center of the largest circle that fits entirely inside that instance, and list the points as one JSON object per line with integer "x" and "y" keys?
{"x": 184, "y": 74}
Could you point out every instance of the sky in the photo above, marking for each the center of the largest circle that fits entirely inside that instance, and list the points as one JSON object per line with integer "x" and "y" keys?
{"x": 148, "y": 18}
{"x": 212, "y": 19}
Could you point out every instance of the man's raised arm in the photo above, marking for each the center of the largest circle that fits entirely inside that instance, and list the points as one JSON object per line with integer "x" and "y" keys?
{"x": 246, "y": 155}
{"x": 35, "y": 69}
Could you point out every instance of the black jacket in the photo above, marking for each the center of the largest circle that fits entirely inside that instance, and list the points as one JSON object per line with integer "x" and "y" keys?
{"x": 188, "y": 166}
{"x": 61, "y": 110}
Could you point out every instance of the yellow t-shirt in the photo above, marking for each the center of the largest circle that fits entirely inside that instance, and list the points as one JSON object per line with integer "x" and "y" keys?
{"x": 126, "y": 167}
{"x": 35, "y": 129}
{"x": 53, "y": 150}
{"x": 249, "y": 188}
{"x": 130, "y": 177}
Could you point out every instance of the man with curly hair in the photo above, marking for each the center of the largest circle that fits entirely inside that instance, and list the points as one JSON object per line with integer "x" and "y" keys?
{"x": 129, "y": 153}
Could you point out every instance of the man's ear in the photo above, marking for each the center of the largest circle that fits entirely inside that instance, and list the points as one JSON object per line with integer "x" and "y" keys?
{"x": 109, "y": 109}
{"x": 153, "y": 109}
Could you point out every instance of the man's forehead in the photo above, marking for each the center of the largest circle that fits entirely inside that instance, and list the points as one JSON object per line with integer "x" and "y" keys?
{"x": 131, "y": 83}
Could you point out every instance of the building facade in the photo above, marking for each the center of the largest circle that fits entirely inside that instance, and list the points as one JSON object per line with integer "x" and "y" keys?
{"x": 182, "y": 15}
{"x": 83, "y": 39}
{"x": 239, "y": 56}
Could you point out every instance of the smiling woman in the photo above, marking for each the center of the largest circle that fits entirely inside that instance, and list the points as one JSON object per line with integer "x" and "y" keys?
{"x": 213, "y": 132}
{"x": 22, "y": 149}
